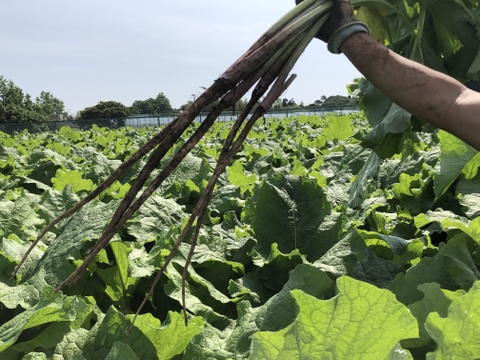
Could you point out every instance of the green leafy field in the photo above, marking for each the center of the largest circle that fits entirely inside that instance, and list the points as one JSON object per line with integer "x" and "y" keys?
{"x": 313, "y": 247}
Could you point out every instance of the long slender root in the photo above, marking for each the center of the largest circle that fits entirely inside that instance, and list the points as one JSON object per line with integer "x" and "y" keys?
{"x": 265, "y": 68}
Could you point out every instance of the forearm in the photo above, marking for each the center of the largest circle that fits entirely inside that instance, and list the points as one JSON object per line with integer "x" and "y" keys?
{"x": 428, "y": 94}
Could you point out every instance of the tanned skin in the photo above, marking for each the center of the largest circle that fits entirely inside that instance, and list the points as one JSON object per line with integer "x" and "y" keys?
{"x": 428, "y": 94}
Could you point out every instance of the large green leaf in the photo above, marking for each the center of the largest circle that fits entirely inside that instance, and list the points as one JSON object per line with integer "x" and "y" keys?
{"x": 449, "y": 222}
{"x": 435, "y": 300}
{"x": 202, "y": 298}
{"x": 456, "y": 36}
{"x": 83, "y": 227}
{"x": 100, "y": 167}
{"x": 369, "y": 170}
{"x": 458, "y": 334}
{"x": 73, "y": 178}
{"x": 376, "y": 270}
{"x": 119, "y": 285}
{"x": 361, "y": 322}
{"x": 275, "y": 314}
{"x": 467, "y": 192}
{"x": 155, "y": 219}
{"x": 52, "y": 307}
{"x": 294, "y": 213}
{"x": 191, "y": 168}
{"x": 24, "y": 296}
{"x": 14, "y": 249}
{"x": 339, "y": 128}
{"x": 455, "y": 155}
{"x": 280, "y": 310}
{"x": 343, "y": 257}
{"x": 53, "y": 203}
{"x": 121, "y": 351}
{"x": 18, "y": 217}
{"x": 452, "y": 267}
{"x": 395, "y": 121}
{"x": 71, "y": 346}
{"x": 147, "y": 338}
{"x": 172, "y": 337}
{"x": 238, "y": 177}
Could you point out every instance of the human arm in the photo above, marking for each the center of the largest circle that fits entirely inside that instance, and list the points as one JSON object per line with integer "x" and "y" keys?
{"x": 428, "y": 94}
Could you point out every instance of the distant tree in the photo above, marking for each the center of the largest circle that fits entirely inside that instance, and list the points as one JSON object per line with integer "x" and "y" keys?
{"x": 50, "y": 108}
{"x": 106, "y": 110}
{"x": 158, "y": 105}
{"x": 15, "y": 106}
{"x": 338, "y": 100}
{"x": 29, "y": 110}
{"x": 288, "y": 103}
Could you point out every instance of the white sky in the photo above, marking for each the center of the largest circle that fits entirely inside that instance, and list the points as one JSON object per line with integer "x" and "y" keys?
{"x": 88, "y": 51}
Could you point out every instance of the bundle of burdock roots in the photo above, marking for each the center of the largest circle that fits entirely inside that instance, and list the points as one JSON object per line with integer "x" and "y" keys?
{"x": 264, "y": 71}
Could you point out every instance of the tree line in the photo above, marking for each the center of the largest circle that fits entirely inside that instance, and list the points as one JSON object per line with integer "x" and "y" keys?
{"x": 17, "y": 106}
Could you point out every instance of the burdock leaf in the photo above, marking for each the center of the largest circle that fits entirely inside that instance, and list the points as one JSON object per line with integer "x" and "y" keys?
{"x": 361, "y": 322}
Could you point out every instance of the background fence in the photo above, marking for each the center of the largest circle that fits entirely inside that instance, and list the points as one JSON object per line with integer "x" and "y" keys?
{"x": 159, "y": 120}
